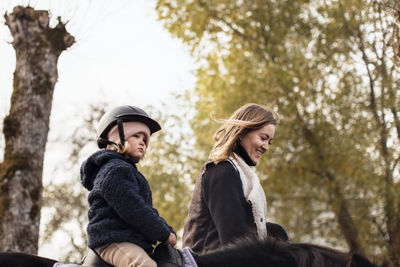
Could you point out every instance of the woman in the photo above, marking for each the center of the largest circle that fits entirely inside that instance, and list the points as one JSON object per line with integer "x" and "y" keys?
{"x": 123, "y": 225}
{"x": 228, "y": 201}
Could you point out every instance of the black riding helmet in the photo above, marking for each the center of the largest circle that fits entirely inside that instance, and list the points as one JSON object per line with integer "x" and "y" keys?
{"x": 117, "y": 116}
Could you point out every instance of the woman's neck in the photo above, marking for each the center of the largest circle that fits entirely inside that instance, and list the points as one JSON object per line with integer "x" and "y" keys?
{"x": 239, "y": 149}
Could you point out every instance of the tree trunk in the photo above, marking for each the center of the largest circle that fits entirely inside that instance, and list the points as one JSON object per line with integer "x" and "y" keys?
{"x": 37, "y": 48}
{"x": 338, "y": 202}
{"x": 344, "y": 217}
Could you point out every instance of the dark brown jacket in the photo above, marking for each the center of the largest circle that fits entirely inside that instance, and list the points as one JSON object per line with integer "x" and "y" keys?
{"x": 219, "y": 212}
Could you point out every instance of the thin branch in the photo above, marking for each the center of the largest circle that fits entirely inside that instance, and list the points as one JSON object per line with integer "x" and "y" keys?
{"x": 378, "y": 226}
{"x": 396, "y": 120}
{"x": 371, "y": 80}
{"x": 395, "y": 164}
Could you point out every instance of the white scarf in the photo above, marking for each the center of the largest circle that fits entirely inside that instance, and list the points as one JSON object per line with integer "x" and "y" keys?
{"x": 253, "y": 192}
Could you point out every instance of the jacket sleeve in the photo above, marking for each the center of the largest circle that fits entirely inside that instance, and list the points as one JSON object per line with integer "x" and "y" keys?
{"x": 120, "y": 189}
{"x": 223, "y": 194}
{"x": 169, "y": 227}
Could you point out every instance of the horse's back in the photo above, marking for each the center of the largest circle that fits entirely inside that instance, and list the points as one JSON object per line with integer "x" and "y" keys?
{"x": 15, "y": 259}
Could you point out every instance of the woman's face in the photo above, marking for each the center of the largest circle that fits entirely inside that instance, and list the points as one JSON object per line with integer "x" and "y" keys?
{"x": 256, "y": 142}
{"x": 137, "y": 145}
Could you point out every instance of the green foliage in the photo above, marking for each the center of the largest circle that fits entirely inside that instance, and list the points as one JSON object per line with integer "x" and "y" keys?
{"x": 326, "y": 68}
{"x": 170, "y": 166}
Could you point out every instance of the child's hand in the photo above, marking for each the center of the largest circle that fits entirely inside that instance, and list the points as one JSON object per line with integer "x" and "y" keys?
{"x": 172, "y": 239}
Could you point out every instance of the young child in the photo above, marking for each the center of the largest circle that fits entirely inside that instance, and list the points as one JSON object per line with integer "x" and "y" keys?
{"x": 123, "y": 225}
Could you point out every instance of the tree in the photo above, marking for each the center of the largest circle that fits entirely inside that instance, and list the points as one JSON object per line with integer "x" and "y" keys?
{"x": 326, "y": 68}
{"x": 393, "y": 9}
{"x": 170, "y": 165}
{"x": 37, "y": 48}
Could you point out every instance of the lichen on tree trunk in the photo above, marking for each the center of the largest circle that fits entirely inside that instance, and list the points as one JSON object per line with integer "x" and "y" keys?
{"x": 37, "y": 48}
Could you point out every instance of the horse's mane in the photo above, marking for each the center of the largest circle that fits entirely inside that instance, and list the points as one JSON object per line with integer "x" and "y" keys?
{"x": 244, "y": 253}
{"x": 270, "y": 252}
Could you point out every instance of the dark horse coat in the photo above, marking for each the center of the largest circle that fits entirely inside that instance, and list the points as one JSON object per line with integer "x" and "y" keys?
{"x": 269, "y": 252}
{"x": 246, "y": 253}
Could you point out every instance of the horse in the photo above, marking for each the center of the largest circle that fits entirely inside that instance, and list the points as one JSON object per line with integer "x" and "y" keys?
{"x": 242, "y": 253}
{"x": 271, "y": 252}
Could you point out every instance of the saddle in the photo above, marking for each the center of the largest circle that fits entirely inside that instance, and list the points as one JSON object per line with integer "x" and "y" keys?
{"x": 167, "y": 256}
{"x": 164, "y": 255}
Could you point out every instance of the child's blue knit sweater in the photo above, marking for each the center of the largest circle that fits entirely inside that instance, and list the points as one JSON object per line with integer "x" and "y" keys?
{"x": 120, "y": 203}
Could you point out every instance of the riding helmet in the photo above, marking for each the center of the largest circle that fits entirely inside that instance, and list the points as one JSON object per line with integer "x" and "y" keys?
{"x": 123, "y": 114}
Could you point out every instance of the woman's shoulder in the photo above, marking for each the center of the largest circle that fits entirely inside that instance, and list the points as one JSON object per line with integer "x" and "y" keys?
{"x": 220, "y": 178}
{"x": 223, "y": 165}
{"x": 221, "y": 170}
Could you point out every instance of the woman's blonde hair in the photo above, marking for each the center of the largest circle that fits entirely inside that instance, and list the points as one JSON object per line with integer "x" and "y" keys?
{"x": 247, "y": 118}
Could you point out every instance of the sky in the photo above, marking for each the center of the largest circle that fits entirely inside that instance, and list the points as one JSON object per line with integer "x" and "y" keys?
{"x": 122, "y": 55}
{"x": 121, "y": 50}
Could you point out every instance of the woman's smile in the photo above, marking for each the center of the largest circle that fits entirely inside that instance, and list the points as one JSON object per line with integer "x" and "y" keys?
{"x": 256, "y": 142}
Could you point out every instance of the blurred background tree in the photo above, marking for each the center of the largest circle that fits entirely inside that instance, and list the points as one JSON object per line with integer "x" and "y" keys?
{"x": 65, "y": 203}
{"x": 326, "y": 67}
{"x": 171, "y": 164}
{"x": 392, "y": 8}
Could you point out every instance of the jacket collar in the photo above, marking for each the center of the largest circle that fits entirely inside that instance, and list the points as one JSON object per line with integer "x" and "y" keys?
{"x": 239, "y": 149}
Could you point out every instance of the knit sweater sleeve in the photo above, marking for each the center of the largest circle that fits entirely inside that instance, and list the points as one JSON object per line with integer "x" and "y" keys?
{"x": 121, "y": 190}
{"x": 223, "y": 195}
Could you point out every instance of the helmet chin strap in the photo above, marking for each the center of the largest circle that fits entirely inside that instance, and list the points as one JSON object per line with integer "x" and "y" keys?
{"x": 121, "y": 133}
{"x": 106, "y": 142}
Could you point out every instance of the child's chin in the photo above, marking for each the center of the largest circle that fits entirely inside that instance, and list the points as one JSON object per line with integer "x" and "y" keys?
{"x": 137, "y": 157}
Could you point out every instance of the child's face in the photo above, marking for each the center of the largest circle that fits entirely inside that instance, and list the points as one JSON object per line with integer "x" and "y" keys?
{"x": 137, "y": 145}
